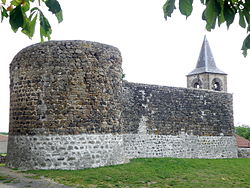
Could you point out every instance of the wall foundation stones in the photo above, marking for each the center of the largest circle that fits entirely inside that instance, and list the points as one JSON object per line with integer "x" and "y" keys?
{"x": 65, "y": 151}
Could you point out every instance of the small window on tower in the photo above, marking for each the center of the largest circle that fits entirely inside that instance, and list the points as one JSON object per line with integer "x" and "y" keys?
{"x": 197, "y": 85}
{"x": 217, "y": 84}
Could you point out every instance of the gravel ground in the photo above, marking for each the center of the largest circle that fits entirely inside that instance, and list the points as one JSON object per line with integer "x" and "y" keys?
{"x": 15, "y": 178}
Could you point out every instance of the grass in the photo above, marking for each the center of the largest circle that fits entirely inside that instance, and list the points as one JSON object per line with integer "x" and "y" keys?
{"x": 160, "y": 172}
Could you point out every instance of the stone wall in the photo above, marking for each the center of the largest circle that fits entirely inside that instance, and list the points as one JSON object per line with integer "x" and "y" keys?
{"x": 65, "y": 87}
{"x": 244, "y": 152}
{"x": 70, "y": 109}
{"x": 95, "y": 150}
{"x": 65, "y": 151}
{"x": 163, "y": 110}
{"x": 181, "y": 146}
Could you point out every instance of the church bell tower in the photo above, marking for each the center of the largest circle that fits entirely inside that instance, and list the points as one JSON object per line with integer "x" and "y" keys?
{"x": 206, "y": 75}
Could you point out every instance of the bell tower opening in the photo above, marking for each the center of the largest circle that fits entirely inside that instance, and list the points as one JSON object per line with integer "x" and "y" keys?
{"x": 197, "y": 86}
{"x": 217, "y": 84}
{"x": 206, "y": 75}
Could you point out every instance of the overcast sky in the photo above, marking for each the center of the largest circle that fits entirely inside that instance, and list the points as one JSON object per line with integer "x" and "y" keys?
{"x": 154, "y": 51}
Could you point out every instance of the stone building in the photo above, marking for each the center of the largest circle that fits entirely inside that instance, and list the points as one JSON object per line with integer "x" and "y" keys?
{"x": 70, "y": 109}
{"x": 206, "y": 75}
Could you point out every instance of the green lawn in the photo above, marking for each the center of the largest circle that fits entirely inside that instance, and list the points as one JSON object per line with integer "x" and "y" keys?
{"x": 161, "y": 172}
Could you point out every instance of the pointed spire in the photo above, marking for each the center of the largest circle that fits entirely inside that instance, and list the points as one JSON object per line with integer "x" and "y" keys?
{"x": 206, "y": 63}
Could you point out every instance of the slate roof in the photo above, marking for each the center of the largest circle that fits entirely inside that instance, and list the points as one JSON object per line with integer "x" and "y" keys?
{"x": 242, "y": 142}
{"x": 3, "y": 138}
{"x": 206, "y": 63}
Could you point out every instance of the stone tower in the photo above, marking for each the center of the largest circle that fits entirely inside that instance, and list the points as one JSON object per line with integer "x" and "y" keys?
{"x": 64, "y": 104}
{"x": 206, "y": 75}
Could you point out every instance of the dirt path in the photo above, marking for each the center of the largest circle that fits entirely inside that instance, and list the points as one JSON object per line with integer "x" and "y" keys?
{"x": 14, "y": 178}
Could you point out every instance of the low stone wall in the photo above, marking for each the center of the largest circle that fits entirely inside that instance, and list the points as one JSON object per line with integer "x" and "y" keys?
{"x": 181, "y": 146}
{"x": 89, "y": 151}
{"x": 244, "y": 152}
{"x": 65, "y": 152}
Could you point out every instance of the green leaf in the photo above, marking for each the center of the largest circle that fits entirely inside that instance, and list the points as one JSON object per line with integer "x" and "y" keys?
{"x": 229, "y": 14}
{"x": 4, "y": 1}
{"x": 221, "y": 18}
{"x": 16, "y": 18}
{"x": 29, "y": 27}
{"x": 212, "y": 11}
{"x": 203, "y": 16}
{"x": 168, "y": 8}
{"x": 246, "y": 45}
{"x": 34, "y": 9}
{"x": 16, "y": 2}
{"x": 247, "y": 17}
{"x": 59, "y": 16}
{"x": 186, "y": 7}
{"x": 32, "y": 26}
{"x": 4, "y": 13}
{"x": 26, "y": 6}
{"x": 45, "y": 28}
{"x": 242, "y": 21}
{"x": 53, "y": 6}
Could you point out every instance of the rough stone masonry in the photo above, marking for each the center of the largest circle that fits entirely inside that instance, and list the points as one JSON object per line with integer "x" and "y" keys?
{"x": 70, "y": 109}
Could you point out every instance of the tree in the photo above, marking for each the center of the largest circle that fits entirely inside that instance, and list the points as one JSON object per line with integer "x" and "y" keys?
{"x": 243, "y": 131}
{"x": 216, "y": 11}
{"x": 25, "y": 14}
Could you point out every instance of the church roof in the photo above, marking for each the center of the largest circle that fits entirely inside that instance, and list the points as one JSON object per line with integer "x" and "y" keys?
{"x": 206, "y": 63}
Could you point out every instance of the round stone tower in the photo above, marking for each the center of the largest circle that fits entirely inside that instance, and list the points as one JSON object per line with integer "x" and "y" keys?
{"x": 64, "y": 106}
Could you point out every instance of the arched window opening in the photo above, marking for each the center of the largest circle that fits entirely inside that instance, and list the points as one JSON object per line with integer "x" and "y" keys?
{"x": 217, "y": 84}
{"x": 197, "y": 85}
